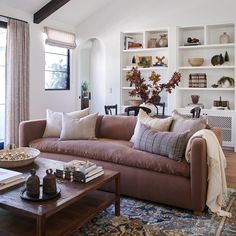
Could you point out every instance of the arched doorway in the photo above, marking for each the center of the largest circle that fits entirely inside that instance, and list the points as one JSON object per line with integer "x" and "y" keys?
{"x": 92, "y": 75}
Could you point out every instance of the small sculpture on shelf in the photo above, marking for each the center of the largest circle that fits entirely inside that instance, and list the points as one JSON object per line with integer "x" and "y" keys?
{"x": 192, "y": 42}
{"x": 159, "y": 61}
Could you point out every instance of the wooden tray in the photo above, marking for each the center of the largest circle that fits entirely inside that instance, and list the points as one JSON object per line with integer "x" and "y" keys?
{"x": 42, "y": 196}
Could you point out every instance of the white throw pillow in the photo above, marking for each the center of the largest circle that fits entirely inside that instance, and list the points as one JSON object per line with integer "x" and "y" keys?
{"x": 54, "y": 121}
{"x": 152, "y": 123}
{"x": 83, "y": 128}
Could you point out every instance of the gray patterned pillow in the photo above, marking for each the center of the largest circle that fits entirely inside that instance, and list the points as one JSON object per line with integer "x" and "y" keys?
{"x": 169, "y": 144}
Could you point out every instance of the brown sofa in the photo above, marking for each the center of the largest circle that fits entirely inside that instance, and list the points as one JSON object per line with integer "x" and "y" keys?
{"x": 143, "y": 175}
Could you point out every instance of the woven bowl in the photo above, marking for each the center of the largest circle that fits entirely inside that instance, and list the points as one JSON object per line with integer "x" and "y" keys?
{"x": 196, "y": 61}
{"x": 18, "y": 157}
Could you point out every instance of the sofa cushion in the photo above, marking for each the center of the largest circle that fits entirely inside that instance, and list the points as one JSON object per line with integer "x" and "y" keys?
{"x": 169, "y": 144}
{"x": 154, "y": 123}
{"x": 54, "y": 121}
{"x": 114, "y": 151}
{"x": 117, "y": 127}
{"x": 83, "y": 128}
{"x": 180, "y": 124}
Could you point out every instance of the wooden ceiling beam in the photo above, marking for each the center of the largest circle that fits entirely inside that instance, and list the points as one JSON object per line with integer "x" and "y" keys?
{"x": 48, "y": 9}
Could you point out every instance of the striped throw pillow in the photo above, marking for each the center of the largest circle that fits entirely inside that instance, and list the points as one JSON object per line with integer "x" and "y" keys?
{"x": 169, "y": 144}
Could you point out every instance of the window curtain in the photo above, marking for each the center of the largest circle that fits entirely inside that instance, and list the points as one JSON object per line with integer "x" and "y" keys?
{"x": 60, "y": 38}
{"x": 17, "y": 78}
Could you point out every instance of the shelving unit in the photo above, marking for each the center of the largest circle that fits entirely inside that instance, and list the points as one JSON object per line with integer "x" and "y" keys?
{"x": 143, "y": 38}
{"x": 210, "y": 46}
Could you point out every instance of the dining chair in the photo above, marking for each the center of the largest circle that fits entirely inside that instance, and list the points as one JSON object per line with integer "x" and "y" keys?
{"x": 196, "y": 112}
{"x": 160, "y": 104}
{"x": 135, "y": 110}
{"x": 110, "y": 108}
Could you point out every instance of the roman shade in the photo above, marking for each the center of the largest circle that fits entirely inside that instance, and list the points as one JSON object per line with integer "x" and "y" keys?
{"x": 60, "y": 38}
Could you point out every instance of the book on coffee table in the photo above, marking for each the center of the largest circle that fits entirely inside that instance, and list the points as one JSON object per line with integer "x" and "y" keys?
{"x": 10, "y": 178}
{"x": 8, "y": 175}
{"x": 84, "y": 173}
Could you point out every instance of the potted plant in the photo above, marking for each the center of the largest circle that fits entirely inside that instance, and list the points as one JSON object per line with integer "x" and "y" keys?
{"x": 149, "y": 91}
{"x": 226, "y": 82}
{"x": 84, "y": 88}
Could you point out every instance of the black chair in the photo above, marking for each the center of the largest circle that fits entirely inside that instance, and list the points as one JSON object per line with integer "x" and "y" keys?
{"x": 160, "y": 104}
{"x": 135, "y": 110}
{"x": 196, "y": 112}
{"x": 109, "y": 108}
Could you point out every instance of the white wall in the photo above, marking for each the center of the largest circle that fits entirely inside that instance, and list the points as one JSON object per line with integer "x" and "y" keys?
{"x": 123, "y": 15}
{"x": 39, "y": 98}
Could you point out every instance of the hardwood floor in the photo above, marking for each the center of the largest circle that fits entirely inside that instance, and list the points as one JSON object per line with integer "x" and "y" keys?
{"x": 231, "y": 168}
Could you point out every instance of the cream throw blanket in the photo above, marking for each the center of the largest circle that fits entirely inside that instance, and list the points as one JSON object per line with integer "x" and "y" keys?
{"x": 217, "y": 187}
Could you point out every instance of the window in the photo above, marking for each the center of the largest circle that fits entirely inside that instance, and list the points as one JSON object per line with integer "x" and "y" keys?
{"x": 57, "y": 68}
{"x": 3, "y": 33}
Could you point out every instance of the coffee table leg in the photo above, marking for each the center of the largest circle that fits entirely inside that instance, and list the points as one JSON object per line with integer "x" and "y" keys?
{"x": 117, "y": 201}
{"x": 41, "y": 230}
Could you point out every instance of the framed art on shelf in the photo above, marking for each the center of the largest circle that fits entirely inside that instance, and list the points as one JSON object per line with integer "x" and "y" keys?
{"x": 145, "y": 61}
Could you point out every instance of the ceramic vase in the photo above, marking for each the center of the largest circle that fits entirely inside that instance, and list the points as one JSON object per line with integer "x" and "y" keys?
{"x": 163, "y": 41}
{"x": 195, "y": 99}
{"x": 224, "y": 38}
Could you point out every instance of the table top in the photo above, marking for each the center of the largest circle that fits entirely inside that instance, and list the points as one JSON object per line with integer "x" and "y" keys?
{"x": 70, "y": 191}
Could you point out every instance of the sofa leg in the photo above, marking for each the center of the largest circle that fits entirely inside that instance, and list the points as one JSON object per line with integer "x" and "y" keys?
{"x": 198, "y": 213}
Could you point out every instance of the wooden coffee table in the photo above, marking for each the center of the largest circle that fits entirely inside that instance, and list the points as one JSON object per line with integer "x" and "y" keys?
{"x": 77, "y": 204}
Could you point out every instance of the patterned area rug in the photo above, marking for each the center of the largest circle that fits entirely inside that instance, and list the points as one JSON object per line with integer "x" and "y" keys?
{"x": 150, "y": 219}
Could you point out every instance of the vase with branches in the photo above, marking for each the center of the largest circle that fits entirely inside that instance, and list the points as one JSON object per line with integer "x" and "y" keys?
{"x": 149, "y": 90}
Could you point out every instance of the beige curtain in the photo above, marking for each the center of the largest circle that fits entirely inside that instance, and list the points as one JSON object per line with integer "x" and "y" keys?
{"x": 17, "y": 78}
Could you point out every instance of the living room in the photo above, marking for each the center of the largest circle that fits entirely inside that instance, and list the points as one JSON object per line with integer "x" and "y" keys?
{"x": 98, "y": 58}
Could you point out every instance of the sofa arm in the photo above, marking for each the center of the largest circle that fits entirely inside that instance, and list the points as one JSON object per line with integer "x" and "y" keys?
{"x": 198, "y": 173}
{"x": 30, "y": 130}
{"x": 218, "y": 132}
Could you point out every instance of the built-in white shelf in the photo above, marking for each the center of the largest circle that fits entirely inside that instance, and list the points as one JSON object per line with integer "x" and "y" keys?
{"x": 208, "y": 46}
{"x": 148, "y": 68}
{"x": 207, "y": 89}
{"x": 145, "y": 50}
{"x": 205, "y": 67}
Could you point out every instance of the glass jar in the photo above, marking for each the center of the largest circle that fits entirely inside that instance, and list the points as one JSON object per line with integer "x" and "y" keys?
{"x": 152, "y": 43}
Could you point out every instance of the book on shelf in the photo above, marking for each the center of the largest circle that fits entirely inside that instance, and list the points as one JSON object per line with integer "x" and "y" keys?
{"x": 134, "y": 45}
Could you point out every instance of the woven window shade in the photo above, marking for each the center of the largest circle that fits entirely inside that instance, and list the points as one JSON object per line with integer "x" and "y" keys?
{"x": 60, "y": 38}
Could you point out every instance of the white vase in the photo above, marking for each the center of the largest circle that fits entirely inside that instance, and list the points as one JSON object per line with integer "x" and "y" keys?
{"x": 224, "y": 38}
{"x": 151, "y": 107}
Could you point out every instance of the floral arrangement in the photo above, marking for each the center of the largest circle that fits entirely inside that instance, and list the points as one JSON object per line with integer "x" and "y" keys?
{"x": 149, "y": 91}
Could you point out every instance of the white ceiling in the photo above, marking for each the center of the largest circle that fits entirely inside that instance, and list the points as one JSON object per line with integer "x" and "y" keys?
{"x": 72, "y": 13}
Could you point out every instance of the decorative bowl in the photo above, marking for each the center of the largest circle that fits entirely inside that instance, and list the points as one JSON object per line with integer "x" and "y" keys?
{"x": 135, "y": 102}
{"x": 196, "y": 61}
{"x": 18, "y": 157}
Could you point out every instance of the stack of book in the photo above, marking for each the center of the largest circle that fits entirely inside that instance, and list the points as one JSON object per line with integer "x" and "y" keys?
{"x": 10, "y": 178}
{"x": 80, "y": 171}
